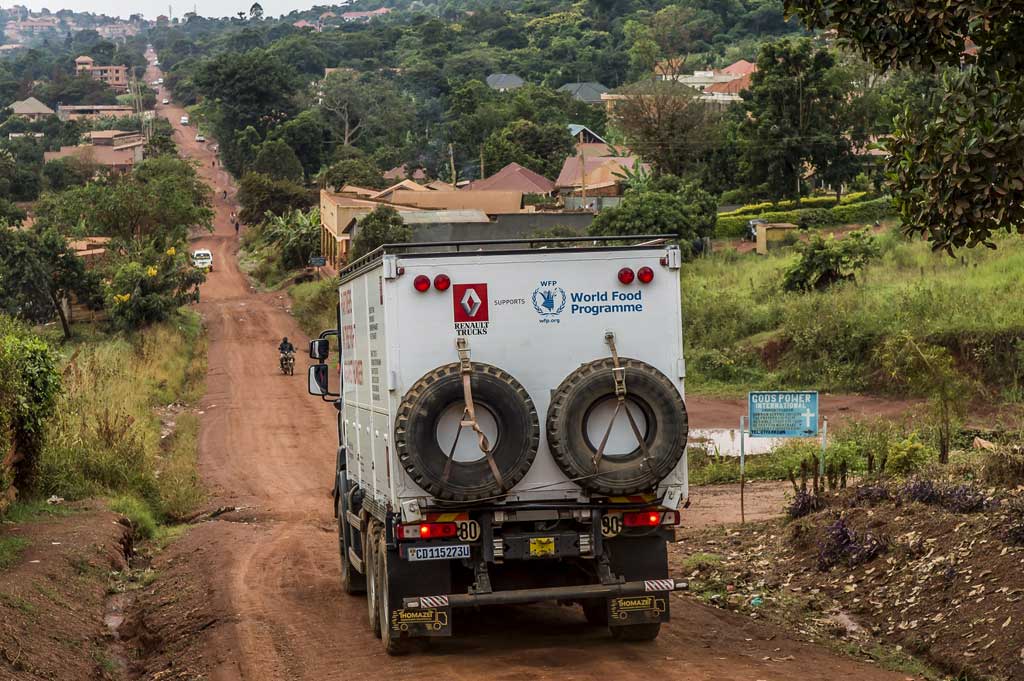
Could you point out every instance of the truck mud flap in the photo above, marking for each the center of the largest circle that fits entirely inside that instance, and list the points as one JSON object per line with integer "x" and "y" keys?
{"x": 429, "y": 616}
{"x": 656, "y": 588}
{"x": 644, "y": 609}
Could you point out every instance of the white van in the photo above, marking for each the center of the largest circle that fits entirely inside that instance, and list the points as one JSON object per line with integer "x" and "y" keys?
{"x": 184, "y": 120}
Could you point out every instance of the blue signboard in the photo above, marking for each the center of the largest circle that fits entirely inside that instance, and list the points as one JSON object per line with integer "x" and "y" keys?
{"x": 317, "y": 261}
{"x": 783, "y": 414}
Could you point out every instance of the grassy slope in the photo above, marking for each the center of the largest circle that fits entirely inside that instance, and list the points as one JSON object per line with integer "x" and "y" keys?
{"x": 743, "y": 332}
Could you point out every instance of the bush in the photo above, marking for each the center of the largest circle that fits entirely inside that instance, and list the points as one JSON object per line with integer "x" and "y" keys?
{"x": 314, "y": 305}
{"x": 1014, "y": 525}
{"x": 383, "y": 226}
{"x": 906, "y": 456}
{"x": 804, "y": 503}
{"x": 824, "y": 262}
{"x": 841, "y": 544}
{"x": 151, "y": 288}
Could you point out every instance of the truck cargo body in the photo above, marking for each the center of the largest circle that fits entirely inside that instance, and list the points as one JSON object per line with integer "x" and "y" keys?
{"x": 563, "y": 481}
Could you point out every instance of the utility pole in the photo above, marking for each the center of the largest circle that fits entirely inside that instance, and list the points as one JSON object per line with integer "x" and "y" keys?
{"x": 451, "y": 158}
{"x": 583, "y": 181}
{"x": 483, "y": 175}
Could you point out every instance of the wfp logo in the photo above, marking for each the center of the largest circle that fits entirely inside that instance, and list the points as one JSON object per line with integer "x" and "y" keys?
{"x": 549, "y": 301}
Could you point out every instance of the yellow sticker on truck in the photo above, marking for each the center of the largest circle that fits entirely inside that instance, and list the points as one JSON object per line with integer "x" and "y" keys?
{"x": 542, "y": 546}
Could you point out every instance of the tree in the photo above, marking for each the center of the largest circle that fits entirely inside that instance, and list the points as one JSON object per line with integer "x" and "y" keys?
{"x": 361, "y": 172}
{"x": 383, "y": 226}
{"x": 277, "y": 160}
{"x": 260, "y": 194}
{"x": 305, "y": 135}
{"x": 666, "y": 124}
{"x": 294, "y": 236}
{"x": 150, "y": 284}
{"x": 688, "y": 214}
{"x": 357, "y": 109}
{"x": 64, "y": 173}
{"x": 38, "y": 271}
{"x": 541, "y": 148}
{"x": 958, "y": 170}
{"x": 796, "y": 119}
{"x": 256, "y": 11}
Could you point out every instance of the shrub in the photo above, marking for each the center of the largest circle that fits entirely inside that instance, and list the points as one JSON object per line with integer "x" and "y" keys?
{"x": 804, "y": 503}
{"x": 841, "y": 544}
{"x": 383, "y": 226}
{"x": 731, "y": 225}
{"x": 921, "y": 490}
{"x": 906, "y": 456}
{"x": 964, "y": 499}
{"x": 1003, "y": 466}
{"x": 824, "y": 262}
{"x": 149, "y": 287}
{"x": 870, "y": 495}
{"x": 1014, "y": 526}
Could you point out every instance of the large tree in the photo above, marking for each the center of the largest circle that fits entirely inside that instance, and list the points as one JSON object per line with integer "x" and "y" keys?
{"x": 541, "y": 148}
{"x": 958, "y": 169}
{"x": 796, "y": 121}
{"x": 358, "y": 109}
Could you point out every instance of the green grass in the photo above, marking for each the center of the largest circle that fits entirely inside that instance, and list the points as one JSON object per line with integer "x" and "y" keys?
{"x": 700, "y": 561}
{"x": 28, "y": 510}
{"x": 315, "y": 305}
{"x": 11, "y": 549}
{"x": 138, "y": 513}
{"x": 743, "y": 332}
{"x": 105, "y": 436}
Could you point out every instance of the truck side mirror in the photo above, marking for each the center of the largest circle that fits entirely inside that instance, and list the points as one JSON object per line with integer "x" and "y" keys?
{"x": 319, "y": 349}
{"x": 319, "y": 384}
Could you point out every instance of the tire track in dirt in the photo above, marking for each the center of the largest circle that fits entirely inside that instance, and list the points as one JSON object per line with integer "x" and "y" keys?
{"x": 272, "y": 584}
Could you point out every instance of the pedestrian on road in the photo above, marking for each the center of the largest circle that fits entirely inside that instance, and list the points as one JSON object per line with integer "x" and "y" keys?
{"x": 236, "y": 229}
{"x": 215, "y": 163}
{"x": 225, "y": 193}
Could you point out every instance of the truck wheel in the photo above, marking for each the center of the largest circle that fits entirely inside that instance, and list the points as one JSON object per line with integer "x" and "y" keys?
{"x": 439, "y": 395}
{"x": 351, "y": 581}
{"x": 596, "y": 611}
{"x": 636, "y": 632}
{"x": 583, "y": 405}
{"x": 372, "y": 585}
{"x": 393, "y": 643}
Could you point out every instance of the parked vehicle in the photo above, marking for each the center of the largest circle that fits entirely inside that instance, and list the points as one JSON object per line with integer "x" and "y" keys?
{"x": 287, "y": 362}
{"x": 184, "y": 120}
{"x": 202, "y": 259}
{"x": 511, "y": 430}
{"x": 200, "y": 137}
{"x": 166, "y": 101}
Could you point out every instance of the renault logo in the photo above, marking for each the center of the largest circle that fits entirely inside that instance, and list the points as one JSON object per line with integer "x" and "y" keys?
{"x": 470, "y": 302}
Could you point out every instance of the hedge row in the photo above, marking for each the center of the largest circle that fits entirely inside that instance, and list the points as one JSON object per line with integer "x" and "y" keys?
{"x": 731, "y": 226}
{"x": 810, "y": 202}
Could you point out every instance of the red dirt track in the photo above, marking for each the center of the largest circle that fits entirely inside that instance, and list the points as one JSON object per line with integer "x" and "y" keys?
{"x": 271, "y": 583}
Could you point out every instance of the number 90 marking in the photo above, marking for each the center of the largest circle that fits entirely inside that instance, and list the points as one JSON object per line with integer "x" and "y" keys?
{"x": 611, "y": 525}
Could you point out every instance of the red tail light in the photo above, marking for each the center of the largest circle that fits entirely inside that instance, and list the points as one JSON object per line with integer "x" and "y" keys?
{"x": 421, "y": 283}
{"x": 626, "y": 275}
{"x": 650, "y": 518}
{"x": 442, "y": 282}
{"x": 645, "y": 275}
{"x": 427, "y": 531}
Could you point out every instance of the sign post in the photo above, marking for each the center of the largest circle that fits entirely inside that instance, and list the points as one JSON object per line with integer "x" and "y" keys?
{"x": 778, "y": 414}
{"x": 317, "y": 261}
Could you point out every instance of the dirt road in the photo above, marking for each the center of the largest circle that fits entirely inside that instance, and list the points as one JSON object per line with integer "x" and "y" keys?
{"x": 266, "y": 580}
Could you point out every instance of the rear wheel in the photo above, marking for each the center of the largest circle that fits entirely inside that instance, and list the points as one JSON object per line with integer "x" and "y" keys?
{"x": 596, "y": 611}
{"x": 637, "y": 632}
{"x": 393, "y": 644}
{"x": 372, "y": 584}
{"x": 351, "y": 581}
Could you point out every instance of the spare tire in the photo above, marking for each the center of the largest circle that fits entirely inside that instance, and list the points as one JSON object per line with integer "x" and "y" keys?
{"x": 578, "y": 418}
{"x": 500, "y": 399}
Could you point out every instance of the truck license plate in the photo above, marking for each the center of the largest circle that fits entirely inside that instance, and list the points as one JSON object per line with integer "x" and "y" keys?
{"x": 414, "y": 553}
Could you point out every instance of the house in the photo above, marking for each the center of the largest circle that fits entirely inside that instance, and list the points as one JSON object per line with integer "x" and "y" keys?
{"x": 31, "y": 109}
{"x": 665, "y": 92}
{"x": 365, "y": 16}
{"x": 596, "y": 149}
{"x": 733, "y": 87}
{"x": 302, "y": 23}
{"x": 406, "y": 185}
{"x": 514, "y": 178}
{"x": 337, "y": 215}
{"x": 584, "y": 135}
{"x": 116, "y": 77}
{"x": 503, "y": 82}
{"x": 489, "y": 201}
{"x": 93, "y": 111}
{"x": 588, "y": 93}
{"x": 594, "y": 183}
{"x": 402, "y": 173}
{"x": 740, "y": 68}
{"x": 114, "y": 138}
{"x": 116, "y": 159}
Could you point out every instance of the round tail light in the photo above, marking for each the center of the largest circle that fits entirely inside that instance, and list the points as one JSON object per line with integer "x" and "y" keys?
{"x": 626, "y": 275}
{"x": 421, "y": 283}
{"x": 645, "y": 275}
{"x": 442, "y": 282}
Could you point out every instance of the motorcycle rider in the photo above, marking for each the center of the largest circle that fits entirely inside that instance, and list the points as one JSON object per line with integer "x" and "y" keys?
{"x": 285, "y": 348}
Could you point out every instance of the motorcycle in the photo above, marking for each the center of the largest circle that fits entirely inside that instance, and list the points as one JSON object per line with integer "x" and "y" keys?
{"x": 288, "y": 363}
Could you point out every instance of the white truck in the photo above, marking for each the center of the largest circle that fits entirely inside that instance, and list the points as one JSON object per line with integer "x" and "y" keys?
{"x": 511, "y": 430}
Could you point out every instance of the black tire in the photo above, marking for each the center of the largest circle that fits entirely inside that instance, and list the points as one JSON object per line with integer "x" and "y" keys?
{"x": 636, "y": 632}
{"x": 393, "y": 644}
{"x": 648, "y": 390}
{"x": 596, "y": 611}
{"x": 352, "y": 582}
{"x": 494, "y": 390}
{"x": 372, "y": 583}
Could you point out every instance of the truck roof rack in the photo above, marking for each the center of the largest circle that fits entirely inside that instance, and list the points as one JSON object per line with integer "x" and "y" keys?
{"x": 428, "y": 248}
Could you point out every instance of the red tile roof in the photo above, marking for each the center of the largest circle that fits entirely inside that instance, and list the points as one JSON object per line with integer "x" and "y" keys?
{"x": 740, "y": 68}
{"x": 516, "y": 178}
{"x": 733, "y": 87}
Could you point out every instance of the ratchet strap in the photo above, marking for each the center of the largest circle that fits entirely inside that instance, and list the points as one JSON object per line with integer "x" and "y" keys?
{"x": 619, "y": 376}
{"x": 469, "y": 417}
